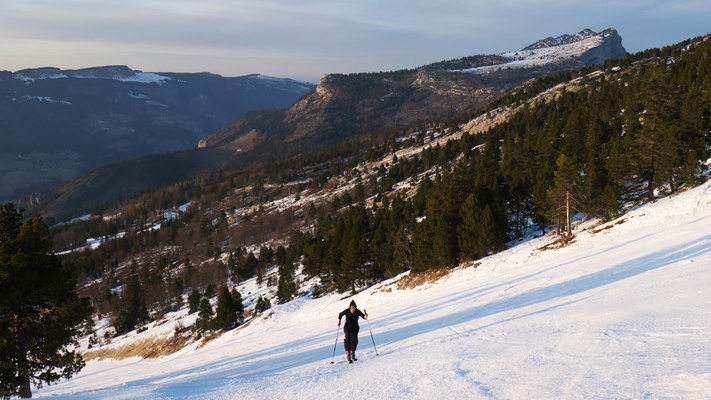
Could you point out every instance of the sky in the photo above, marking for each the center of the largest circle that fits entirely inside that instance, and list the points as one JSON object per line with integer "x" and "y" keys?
{"x": 305, "y": 39}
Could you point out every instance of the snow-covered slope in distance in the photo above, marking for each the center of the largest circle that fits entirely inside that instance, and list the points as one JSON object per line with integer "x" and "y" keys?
{"x": 622, "y": 312}
{"x": 118, "y": 73}
{"x": 546, "y": 52}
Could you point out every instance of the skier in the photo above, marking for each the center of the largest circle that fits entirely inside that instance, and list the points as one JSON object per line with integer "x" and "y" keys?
{"x": 351, "y": 329}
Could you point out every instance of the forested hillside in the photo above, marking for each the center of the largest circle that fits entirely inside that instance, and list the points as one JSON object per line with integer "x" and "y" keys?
{"x": 429, "y": 197}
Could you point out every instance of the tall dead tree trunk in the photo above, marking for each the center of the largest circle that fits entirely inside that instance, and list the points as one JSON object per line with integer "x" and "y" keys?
{"x": 568, "y": 230}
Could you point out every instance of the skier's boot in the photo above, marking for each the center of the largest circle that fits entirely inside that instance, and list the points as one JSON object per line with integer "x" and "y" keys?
{"x": 348, "y": 356}
{"x": 353, "y": 357}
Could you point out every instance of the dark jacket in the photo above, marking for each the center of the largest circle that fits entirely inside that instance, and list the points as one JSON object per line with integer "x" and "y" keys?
{"x": 351, "y": 319}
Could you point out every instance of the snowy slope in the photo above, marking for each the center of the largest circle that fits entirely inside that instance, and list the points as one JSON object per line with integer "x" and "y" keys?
{"x": 622, "y": 312}
{"x": 118, "y": 73}
{"x": 540, "y": 56}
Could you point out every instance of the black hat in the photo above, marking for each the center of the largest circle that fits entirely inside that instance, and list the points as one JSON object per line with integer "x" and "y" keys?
{"x": 353, "y": 304}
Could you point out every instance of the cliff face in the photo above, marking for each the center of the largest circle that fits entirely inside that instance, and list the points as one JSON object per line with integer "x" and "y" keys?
{"x": 610, "y": 48}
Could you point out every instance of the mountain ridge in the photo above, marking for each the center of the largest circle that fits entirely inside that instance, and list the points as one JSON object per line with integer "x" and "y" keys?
{"x": 111, "y": 72}
{"x": 346, "y": 107}
{"x": 433, "y": 89}
{"x": 564, "y": 39}
{"x": 97, "y": 116}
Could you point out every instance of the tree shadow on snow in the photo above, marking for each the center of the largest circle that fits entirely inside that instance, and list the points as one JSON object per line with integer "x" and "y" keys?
{"x": 572, "y": 287}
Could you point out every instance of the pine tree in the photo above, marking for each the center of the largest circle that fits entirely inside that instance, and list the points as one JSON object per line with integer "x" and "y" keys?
{"x": 286, "y": 288}
{"x": 354, "y": 249}
{"x": 133, "y": 310}
{"x": 334, "y": 254}
{"x": 435, "y": 239}
{"x": 188, "y": 272}
{"x": 248, "y": 268}
{"x": 226, "y": 311}
{"x": 232, "y": 266}
{"x": 262, "y": 305}
{"x": 194, "y": 301}
{"x": 238, "y": 306}
{"x": 607, "y": 205}
{"x": 281, "y": 257}
{"x": 314, "y": 254}
{"x": 564, "y": 190}
{"x": 402, "y": 252}
{"x": 422, "y": 244}
{"x": 615, "y": 162}
{"x": 444, "y": 243}
{"x": 381, "y": 246}
{"x": 653, "y": 135}
{"x": 204, "y": 316}
{"x": 40, "y": 312}
{"x": 476, "y": 232}
{"x": 266, "y": 256}
{"x": 695, "y": 125}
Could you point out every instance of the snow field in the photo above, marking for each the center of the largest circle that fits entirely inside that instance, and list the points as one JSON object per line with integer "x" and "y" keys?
{"x": 622, "y": 312}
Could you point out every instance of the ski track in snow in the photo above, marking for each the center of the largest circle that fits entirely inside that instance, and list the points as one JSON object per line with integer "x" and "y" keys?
{"x": 622, "y": 312}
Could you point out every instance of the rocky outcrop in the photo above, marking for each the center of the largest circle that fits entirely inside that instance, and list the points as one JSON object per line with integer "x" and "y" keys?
{"x": 562, "y": 40}
{"x": 609, "y": 46}
{"x": 609, "y": 49}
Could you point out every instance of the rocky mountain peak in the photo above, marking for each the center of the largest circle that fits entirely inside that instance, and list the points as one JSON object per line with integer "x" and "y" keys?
{"x": 567, "y": 39}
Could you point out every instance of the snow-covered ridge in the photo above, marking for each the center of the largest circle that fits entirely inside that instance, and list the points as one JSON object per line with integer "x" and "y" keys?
{"x": 124, "y": 74}
{"x": 265, "y": 78}
{"x": 47, "y": 99}
{"x": 569, "y": 39}
{"x": 118, "y": 73}
{"x": 546, "y": 51}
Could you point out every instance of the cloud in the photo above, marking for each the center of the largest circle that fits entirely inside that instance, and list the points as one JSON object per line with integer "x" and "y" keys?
{"x": 308, "y": 38}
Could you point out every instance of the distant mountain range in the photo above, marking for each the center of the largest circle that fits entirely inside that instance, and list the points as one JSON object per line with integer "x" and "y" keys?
{"x": 341, "y": 108}
{"x": 58, "y": 124}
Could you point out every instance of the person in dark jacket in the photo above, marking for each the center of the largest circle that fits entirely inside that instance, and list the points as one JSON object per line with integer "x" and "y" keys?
{"x": 351, "y": 328}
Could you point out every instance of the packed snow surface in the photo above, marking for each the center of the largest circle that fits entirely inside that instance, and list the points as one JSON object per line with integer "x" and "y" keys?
{"x": 622, "y": 312}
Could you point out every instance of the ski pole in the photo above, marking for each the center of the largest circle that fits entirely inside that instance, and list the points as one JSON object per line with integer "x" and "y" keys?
{"x": 335, "y": 344}
{"x": 371, "y": 334}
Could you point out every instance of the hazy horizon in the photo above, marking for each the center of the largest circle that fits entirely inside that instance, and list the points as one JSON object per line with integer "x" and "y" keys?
{"x": 304, "y": 41}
